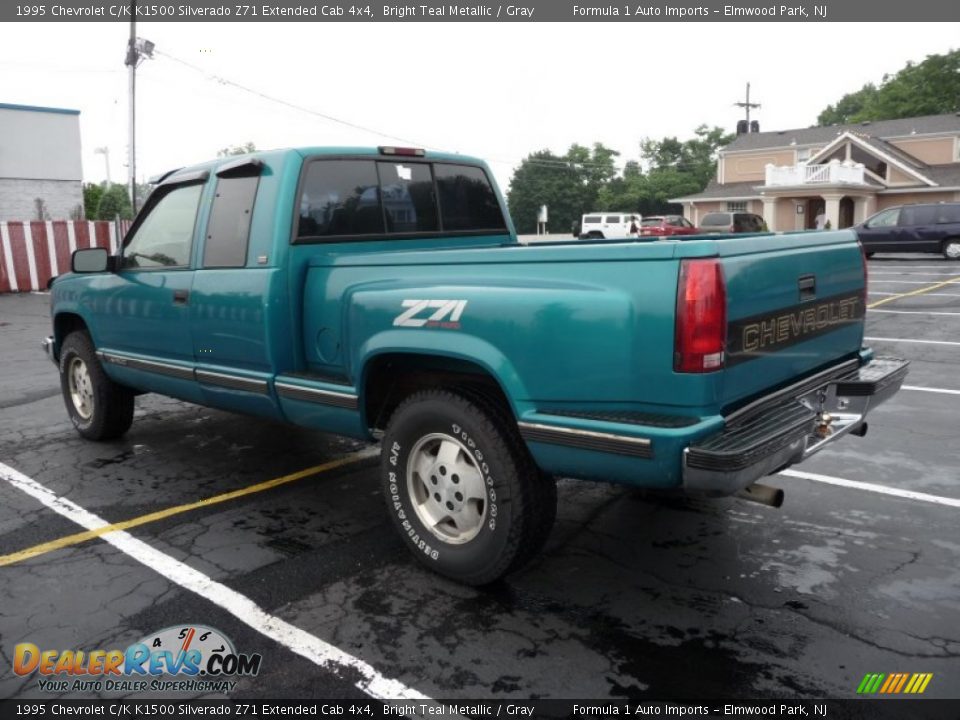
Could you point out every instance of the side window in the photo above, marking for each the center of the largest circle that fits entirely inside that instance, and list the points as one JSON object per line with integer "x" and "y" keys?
{"x": 340, "y": 197}
{"x": 888, "y": 218}
{"x": 467, "y": 200}
{"x": 685, "y": 223}
{"x": 924, "y": 215}
{"x": 228, "y": 231}
{"x": 948, "y": 213}
{"x": 165, "y": 236}
{"x": 408, "y": 198}
{"x": 612, "y": 219}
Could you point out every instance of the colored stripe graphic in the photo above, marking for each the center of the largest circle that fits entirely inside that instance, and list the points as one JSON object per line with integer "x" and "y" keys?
{"x": 894, "y": 683}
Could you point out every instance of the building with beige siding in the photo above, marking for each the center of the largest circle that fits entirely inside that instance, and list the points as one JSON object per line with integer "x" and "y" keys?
{"x": 847, "y": 172}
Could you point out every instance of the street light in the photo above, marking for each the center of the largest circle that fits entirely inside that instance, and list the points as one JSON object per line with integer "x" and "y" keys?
{"x": 105, "y": 151}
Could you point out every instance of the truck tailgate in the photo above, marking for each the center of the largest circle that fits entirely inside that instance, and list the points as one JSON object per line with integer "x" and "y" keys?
{"x": 795, "y": 304}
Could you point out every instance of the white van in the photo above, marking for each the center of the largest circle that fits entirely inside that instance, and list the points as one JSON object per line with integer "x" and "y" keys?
{"x": 599, "y": 225}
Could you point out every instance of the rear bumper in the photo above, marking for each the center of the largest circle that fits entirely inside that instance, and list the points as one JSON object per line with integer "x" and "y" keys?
{"x": 789, "y": 428}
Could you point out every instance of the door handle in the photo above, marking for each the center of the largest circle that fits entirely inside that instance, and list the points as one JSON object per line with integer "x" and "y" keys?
{"x": 180, "y": 297}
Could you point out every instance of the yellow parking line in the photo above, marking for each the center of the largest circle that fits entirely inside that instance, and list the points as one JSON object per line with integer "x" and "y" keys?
{"x": 82, "y": 537}
{"x": 920, "y": 291}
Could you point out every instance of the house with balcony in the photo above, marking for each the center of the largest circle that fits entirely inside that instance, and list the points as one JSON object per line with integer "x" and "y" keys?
{"x": 847, "y": 172}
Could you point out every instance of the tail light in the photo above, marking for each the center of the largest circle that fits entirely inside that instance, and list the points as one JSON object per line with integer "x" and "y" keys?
{"x": 701, "y": 328}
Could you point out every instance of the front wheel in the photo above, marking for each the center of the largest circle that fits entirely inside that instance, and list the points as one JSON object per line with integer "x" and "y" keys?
{"x": 98, "y": 407}
{"x": 951, "y": 249}
{"x": 461, "y": 487}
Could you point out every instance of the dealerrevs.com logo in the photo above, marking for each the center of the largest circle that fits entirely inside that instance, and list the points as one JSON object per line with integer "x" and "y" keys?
{"x": 191, "y": 658}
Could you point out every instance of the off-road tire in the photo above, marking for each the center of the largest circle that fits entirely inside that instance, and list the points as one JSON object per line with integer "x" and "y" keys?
{"x": 519, "y": 502}
{"x": 107, "y": 409}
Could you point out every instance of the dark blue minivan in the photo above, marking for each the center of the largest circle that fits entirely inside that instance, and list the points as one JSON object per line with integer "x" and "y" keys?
{"x": 933, "y": 228}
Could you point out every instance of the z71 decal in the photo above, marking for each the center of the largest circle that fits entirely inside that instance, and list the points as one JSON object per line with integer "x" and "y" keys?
{"x": 446, "y": 314}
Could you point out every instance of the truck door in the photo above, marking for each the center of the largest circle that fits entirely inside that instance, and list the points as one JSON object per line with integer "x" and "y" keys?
{"x": 141, "y": 311}
{"x": 230, "y": 300}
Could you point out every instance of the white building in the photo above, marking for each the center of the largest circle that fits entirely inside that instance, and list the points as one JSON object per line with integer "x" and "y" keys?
{"x": 39, "y": 158}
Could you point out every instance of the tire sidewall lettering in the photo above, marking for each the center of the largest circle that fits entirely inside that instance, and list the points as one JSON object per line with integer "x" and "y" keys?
{"x": 420, "y": 538}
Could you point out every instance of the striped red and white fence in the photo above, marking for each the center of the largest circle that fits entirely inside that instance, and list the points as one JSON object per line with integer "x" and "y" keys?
{"x": 33, "y": 252}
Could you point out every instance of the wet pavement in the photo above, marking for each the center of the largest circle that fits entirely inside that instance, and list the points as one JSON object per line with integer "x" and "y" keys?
{"x": 635, "y": 596}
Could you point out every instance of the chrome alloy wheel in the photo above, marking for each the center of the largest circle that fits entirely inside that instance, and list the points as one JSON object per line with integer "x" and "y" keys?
{"x": 952, "y": 250}
{"x": 80, "y": 387}
{"x": 446, "y": 488}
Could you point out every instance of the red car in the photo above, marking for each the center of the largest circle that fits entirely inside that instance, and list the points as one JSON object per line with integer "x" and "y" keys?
{"x": 666, "y": 225}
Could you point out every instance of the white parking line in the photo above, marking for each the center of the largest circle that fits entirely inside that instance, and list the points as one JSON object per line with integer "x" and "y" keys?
{"x": 871, "y": 487}
{"x": 293, "y": 638}
{"x": 877, "y": 292}
{"x": 886, "y": 266}
{"x": 898, "y": 272}
{"x": 905, "y": 340}
{"x": 918, "y": 388}
{"x": 900, "y": 282}
{"x": 914, "y": 312}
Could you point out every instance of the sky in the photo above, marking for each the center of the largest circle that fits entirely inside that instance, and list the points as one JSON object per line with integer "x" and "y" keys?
{"x": 491, "y": 90}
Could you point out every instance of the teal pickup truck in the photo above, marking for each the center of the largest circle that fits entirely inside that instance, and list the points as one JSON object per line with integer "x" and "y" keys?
{"x": 382, "y": 293}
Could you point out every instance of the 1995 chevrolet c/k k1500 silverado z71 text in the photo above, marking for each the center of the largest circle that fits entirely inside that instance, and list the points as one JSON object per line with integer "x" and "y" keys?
{"x": 369, "y": 291}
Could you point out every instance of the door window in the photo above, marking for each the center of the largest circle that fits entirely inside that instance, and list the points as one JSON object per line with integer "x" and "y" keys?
{"x": 888, "y": 218}
{"x": 228, "y": 230}
{"x": 163, "y": 239}
{"x": 918, "y": 215}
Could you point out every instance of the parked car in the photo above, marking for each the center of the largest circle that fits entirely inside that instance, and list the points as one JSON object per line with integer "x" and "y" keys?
{"x": 381, "y": 293}
{"x": 932, "y": 228}
{"x": 732, "y": 222}
{"x": 597, "y": 226}
{"x": 662, "y": 225}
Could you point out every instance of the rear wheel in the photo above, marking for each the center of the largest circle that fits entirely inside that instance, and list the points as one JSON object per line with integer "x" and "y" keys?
{"x": 98, "y": 407}
{"x": 462, "y": 489}
{"x": 951, "y": 248}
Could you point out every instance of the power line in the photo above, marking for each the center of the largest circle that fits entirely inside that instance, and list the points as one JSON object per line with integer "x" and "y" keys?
{"x": 559, "y": 163}
{"x": 226, "y": 81}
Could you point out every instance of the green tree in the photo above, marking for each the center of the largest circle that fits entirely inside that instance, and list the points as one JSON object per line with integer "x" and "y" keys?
{"x": 931, "y": 87}
{"x": 114, "y": 201}
{"x": 92, "y": 192}
{"x": 244, "y": 149}
{"x": 567, "y": 184}
{"x": 675, "y": 168}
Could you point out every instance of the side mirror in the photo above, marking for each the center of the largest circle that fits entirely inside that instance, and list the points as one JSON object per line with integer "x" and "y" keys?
{"x": 90, "y": 260}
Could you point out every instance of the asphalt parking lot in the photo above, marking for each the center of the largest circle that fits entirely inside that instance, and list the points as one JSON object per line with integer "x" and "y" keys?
{"x": 635, "y": 597}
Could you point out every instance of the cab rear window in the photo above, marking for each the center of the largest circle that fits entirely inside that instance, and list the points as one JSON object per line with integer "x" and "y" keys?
{"x": 375, "y": 197}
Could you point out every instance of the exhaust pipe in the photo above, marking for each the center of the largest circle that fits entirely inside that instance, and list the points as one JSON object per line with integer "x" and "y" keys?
{"x": 763, "y": 494}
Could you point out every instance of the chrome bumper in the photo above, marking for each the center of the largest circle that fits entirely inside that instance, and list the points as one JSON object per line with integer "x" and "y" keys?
{"x": 790, "y": 428}
{"x": 47, "y": 345}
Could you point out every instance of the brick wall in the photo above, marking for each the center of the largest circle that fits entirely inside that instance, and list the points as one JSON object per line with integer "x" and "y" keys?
{"x": 60, "y": 198}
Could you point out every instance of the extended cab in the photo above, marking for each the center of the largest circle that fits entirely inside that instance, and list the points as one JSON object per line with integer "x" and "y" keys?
{"x": 382, "y": 293}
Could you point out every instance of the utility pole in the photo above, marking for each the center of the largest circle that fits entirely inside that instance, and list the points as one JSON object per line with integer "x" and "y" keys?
{"x": 133, "y": 57}
{"x": 748, "y": 105}
{"x": 137, "y": 49}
